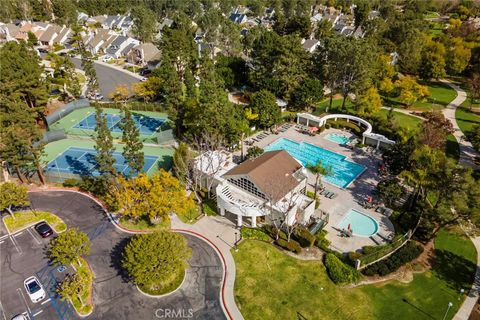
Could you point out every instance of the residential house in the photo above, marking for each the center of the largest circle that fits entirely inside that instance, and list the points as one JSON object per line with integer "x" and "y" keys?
{"x": 208, "y": 48}
{"x": 8, "y": 31}
{"x": 118, "y": 45}
{"x": 97, "y": 19}
{"x": 63, "y": 36}
{"x": 270, "y": 187}
{"x": 82, "y": 17}
{"x": 310, "y": 45}
{"x": 238, "y": 15}
{"x": 145, "y": 54}
{"x": 101, "y": 36}
{"x": 50, "y": 34}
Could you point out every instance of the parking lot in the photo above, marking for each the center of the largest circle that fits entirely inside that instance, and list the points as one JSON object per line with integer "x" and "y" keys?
{"x": 23, "y": 255}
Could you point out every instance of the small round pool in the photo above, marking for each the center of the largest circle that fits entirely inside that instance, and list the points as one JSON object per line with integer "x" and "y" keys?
{"x": 361, "y": 224}
{"x": 337, "y": 138}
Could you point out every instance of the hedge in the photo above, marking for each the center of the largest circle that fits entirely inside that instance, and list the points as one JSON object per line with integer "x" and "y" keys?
{"x": 339, "y": 272}
{"x": 304, "y": 237}
{"x": 405, "y": 254}
{"x": 291, "y": 245}
{"x": 321, "y": 242}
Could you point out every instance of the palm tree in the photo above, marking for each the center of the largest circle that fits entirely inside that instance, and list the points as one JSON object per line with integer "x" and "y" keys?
{"x": 319, "y": 170}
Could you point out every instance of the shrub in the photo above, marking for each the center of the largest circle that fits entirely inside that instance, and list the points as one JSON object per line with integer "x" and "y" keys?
{"x": 407, "y": 253}
{"x": 353, "y": 256}
{"x": 272, "y": 232}
{"x": 339, "y": 272}
{"x": 291, "y": 245}
{"x": 304, "y": 237}
{"x": 371, "y": 249}
{"x": 321, "y": 242}
{"x": 71, "y": 182}
{"x": 210, "y": 207}
{"x": 257, "y": 234}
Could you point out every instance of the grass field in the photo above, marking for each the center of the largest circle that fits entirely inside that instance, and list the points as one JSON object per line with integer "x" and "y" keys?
{"x": 53, "y": 149}
{"x": 145, "y": 225}
{"x": 272, "y": 285}
{"x": 403, "y": 120}
{"x": 440, "y": 96}
{"x": 68, "y": 122}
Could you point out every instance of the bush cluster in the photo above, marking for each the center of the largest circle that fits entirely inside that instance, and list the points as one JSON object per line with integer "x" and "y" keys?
{"x": 321, "y": 242}
{"x": 339, "y": 272}
{"x": 304, "y": 237}
{"x": 257, "y": 234}
{"x": 407, "y": 253}
{"x": 291, "y": 245}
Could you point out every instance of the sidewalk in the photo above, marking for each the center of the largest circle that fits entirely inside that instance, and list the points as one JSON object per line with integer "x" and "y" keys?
{"x": 467, "y": 153}
{"x": 467, "y": 307}
{"x": 221, "y": 232}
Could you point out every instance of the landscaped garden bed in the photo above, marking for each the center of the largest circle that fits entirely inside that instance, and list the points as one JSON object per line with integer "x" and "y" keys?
{"x": 83, "y": 301}
{"x": 25, "y": 219}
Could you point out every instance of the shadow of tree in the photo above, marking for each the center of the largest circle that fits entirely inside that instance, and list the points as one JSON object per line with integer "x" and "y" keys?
{"x": 116, "y": 259}
{"x": 455, "y": 270}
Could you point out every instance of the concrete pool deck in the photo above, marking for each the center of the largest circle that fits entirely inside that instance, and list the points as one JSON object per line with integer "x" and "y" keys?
{"x": 348, "y": 198}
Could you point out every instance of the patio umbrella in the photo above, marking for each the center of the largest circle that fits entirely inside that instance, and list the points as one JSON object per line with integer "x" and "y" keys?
{"x": 313, "y": 129}
{"x": 349, "y": 227}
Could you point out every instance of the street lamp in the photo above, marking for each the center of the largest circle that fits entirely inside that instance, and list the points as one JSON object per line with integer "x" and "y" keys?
{"x": 449, "y": 306}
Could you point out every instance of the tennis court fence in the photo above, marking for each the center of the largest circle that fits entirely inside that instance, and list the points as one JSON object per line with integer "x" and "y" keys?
{"x": 67, "y": 109}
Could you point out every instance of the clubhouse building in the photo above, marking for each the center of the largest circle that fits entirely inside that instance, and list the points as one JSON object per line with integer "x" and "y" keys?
{"x": 270, "y": 188}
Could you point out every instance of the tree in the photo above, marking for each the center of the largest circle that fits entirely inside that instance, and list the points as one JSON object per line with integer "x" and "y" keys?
{"x": 474, "y": 137}
{"x": 324, "y": 29}
{"x": 433, "y": 61}
{"x": 360, "y": 12}
{"x": 104, "y": 144}
{"x": 153, "y": 198}
{"x": 409, "y": 91}
{"x": 308, "y": 94}
{"x": 390, "y": 191}
{"x": 65, "y": 74}
{"x": 457, "y": 55}
{"x": 147, "y": 90}
{"x": 65, "y": 12}
{"x": 21, "y": 78}
{"x": 132, "y": 150}
{"x": 264, "y": 104}
{"x": 68, "y": 247}
{"x": 32, "y": 39}
{"x": 144, "y": 23}
{"x": 181, "y": 162}
{"x": 368, "y": 103}
{"x": 71, "y": 286}
{"x": 12, "y": 195}
{"x": 300, "y": 25}
{"x": 254, "y": 152}
{"x": 397, "y": 158}
{"x": 473, "y": 83}
{"x": 319, "y": 170}
{"x": 435, "y": 130}
{"x": 120, "y": 95}
{"x": 153, "y": 261}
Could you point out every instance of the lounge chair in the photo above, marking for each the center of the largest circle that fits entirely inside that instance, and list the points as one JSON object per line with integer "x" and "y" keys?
{"x": 380, "y": 209}
{"x": 387, "y": 212}
{"x": 333, "y": 195}
{"x": 327, "y": 194}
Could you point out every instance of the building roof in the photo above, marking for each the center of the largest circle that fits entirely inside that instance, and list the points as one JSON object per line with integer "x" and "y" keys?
{"x": 150, "y": 51}
{"x": 48, "y": 35}
{"x": 115, "y": 45}
{"x": 310, "y": 44}
{"x": 65, "y": 31}
{"x": 272, "y": 172}
{"x": 127, "y": 49}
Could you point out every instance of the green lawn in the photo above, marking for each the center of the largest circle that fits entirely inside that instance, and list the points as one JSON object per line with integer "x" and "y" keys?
{"x": 403, "y": 120}
{"x": 24, "y": 219}
{"x": 466, "y": 119}
{"x": 271, "y": 285}
{"x": 85, "y": 273}
{"x": 440, "y": 96}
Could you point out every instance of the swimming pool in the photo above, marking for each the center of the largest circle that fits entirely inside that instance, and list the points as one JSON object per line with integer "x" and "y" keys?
{"x": 360, "y": 224}
{"x": 343, "y": 171}
{"x": 337, "y": 138}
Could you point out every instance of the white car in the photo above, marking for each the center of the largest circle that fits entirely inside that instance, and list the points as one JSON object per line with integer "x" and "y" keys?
{"x": 106, "y": 58}
{"x": 34, "y": 289}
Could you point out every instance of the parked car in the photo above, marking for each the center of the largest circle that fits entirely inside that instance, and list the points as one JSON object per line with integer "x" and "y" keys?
{"x": 106, "y": 58}
{"x": 95, "y": 96}
{"x": 43, "y": 229}
{"x": 34, "y": 289}
{"x": 21, "y": 317}
{"x": 145, "y": 72}
{"x": 143, "y": 79}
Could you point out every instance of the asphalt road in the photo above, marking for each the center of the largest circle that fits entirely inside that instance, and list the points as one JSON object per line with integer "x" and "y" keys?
{"x": 109, "y": 78}
{"x": 114, "y": 297}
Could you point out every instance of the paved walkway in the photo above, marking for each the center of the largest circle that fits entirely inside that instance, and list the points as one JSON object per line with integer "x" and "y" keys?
{"x": 467, "y": 307}
{"x": 222, "y": 233}
{"x": 404, "y": 111}
{"x": 467, "y": 153}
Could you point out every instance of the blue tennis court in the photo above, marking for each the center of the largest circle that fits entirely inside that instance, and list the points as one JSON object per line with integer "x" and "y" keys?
{"x": 82, "y": 161}
{"x": 145, "y": 124}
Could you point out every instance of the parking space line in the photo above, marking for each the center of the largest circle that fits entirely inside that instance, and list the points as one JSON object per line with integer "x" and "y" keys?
{"x": 19, "y": 250}
{"x": 18, "y": 233}
{"x": 20, "y": 292}
{"x": 36, "y": 314}
{"x": 48, "y": 300}
{"x": 35, "y": 238}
